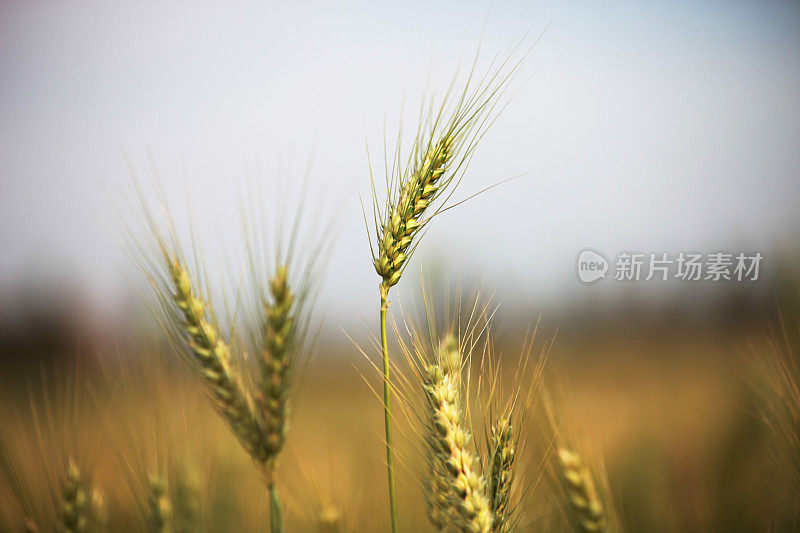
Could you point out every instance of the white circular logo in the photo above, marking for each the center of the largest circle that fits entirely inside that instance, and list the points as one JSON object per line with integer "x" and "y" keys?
{"x": 592, "y": 266}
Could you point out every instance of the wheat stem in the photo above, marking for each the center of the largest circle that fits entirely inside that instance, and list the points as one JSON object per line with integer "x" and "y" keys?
{"x": 387, "y": 413}
{"x": 275, "y": 509}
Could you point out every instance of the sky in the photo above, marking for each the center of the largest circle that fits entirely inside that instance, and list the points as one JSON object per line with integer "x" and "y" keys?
{"x": 660, "y": 127}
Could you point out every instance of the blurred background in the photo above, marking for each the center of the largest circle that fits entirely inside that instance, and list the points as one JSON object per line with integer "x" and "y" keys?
{"x": 650, "y": 127}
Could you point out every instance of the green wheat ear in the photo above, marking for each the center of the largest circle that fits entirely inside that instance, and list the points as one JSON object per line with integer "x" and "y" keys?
{"x": 501, "y": 474}
{"x": 404, "y": 219}
{"x": 276, "y": 361}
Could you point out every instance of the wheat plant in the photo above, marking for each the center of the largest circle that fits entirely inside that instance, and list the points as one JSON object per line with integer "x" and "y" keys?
{"x": 255, "y": 405}
{"x": 418, "y": 187}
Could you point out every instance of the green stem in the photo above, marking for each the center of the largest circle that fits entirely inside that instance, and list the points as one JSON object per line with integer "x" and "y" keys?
{"x": 275, "y": 511}
{"x": 387, "y": 413}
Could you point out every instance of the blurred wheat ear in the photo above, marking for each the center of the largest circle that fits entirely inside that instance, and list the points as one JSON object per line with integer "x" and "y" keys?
{"x": 586, "y": 509}
{"x": 75, "y": 505}
{"x": 578, "y": 475}
{"x": 186, "y": 499}
{"x": 47, "y": 454}
{"x": 159, "y": 505}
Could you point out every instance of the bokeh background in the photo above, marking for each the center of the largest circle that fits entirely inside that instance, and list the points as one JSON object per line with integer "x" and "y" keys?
{"x": 654, "y": 127}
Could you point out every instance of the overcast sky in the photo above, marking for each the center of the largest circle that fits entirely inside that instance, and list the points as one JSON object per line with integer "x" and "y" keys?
{"x": 655, "y": 127}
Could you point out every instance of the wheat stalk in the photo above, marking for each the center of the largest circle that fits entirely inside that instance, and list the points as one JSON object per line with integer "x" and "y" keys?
{"x": 586, "y": 508}
{"x": 439, "y": 158}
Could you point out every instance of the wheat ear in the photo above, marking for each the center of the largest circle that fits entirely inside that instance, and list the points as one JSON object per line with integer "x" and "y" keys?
{"x": 276, "y": 363}
{"x": 587, "y": 510}
{"x": 404, "y": 219}
{"x": 450, "y": 442}
{"x": 159, "y": 506}
{"x": 187, "y": 500}
{"x": 437, "y": 495}
{"x": 276, "y": 360}
{"x": 501, "y": 475}
{"x": 212, "y": 357}
{"x": 74, "y": 505}
{"x": 437, "y": 487}
{"x": 440, "y": 156}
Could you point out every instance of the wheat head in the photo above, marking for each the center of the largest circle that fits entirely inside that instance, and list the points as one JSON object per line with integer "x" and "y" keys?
{"x": 450, "y": 441}
{"x": 404, "y": 219}
{"x": 587, "y": 509}
{"x": 213, "y": 359}
{"x": 75, "y": 501}
{"x": 501, "y": 474}
{"x": 436, "y": 489}
{"x": 276, "y": 361}
{"x": 159, "y": 505}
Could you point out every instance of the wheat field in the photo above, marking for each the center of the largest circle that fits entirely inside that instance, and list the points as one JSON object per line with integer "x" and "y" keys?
{"x": 229, "y": 399}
